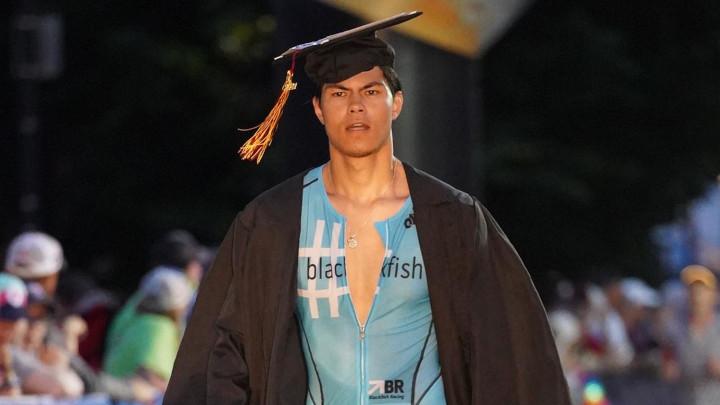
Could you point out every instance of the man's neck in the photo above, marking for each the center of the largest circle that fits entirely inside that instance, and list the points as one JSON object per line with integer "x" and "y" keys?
{"x": 361, "y": 180}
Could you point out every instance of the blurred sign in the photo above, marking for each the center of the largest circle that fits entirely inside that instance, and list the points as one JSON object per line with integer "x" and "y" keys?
{"x": 465, "y": 27}
{"x": 36, "y": 46}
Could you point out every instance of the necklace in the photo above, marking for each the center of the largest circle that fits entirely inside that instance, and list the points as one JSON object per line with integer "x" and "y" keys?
{"x": 351, "y": 240}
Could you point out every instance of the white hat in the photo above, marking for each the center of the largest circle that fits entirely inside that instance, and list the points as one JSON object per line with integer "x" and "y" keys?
{"x": 639, "y": 293}
{"x": 565, "y": 326}
{"x": 165, "y": 288}
{"x": 33, "y": 255}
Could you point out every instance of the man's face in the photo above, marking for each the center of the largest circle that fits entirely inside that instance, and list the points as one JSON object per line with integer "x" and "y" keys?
{"x": 358, "y": 112}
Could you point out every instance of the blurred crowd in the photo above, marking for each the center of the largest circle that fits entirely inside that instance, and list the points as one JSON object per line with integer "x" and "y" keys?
{"x": 623, "y": 342}
{"x": 65, "y": 340}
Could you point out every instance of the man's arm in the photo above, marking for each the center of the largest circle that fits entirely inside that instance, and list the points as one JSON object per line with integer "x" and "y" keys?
{"x": 189, "y": 381}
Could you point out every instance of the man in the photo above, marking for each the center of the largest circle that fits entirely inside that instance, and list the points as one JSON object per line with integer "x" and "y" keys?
{"x": 365, "y": 280}
{"x": 696, "y": 344}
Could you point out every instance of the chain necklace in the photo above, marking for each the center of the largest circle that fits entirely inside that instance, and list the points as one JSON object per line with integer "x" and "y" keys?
{"x": 351, "y": 240}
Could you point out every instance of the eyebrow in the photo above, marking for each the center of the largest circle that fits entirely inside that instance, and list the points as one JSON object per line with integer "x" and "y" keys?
{"x": 365, "y": 87}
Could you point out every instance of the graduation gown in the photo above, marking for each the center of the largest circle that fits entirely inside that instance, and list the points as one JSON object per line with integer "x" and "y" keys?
{"x": 242, "y": 346}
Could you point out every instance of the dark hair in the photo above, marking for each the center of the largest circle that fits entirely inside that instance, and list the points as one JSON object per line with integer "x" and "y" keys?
{"x": 177, "y": 248}
{"x": 391, "y": 77}
{"x": 393, "y": 80}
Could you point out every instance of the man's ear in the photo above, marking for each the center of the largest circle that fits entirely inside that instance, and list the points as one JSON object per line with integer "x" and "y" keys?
{"x": 318, "y": 110}
{"x": 397, "y": 104}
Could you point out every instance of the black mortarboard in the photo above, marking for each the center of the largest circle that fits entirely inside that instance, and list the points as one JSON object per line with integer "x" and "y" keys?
{"x": 329, "y": 60}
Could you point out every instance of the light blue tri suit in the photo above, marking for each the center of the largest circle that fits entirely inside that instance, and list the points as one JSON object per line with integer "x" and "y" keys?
{"x": 394, "y": 358}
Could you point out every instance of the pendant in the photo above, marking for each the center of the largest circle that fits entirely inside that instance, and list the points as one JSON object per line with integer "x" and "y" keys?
{"x": 352, "y": 241}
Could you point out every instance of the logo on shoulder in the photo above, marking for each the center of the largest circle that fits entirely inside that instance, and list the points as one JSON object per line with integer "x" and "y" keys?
{"x": 410, "y": 221}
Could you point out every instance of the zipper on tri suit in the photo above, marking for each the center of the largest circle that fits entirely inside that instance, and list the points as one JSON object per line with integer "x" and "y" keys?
{"x": 363, "y": 376}
{"x": 363, "y": 382}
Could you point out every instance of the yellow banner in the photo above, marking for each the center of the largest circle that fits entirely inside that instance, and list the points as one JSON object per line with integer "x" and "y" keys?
{"x": 455, "y": 26}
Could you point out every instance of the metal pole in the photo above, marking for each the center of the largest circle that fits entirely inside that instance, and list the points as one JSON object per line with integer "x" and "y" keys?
{"x": 36, "y": 56}
{"x": 28, "y": 125}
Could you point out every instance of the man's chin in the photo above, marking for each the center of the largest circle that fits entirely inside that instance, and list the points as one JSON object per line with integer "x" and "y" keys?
{"x": 357, "y": 151}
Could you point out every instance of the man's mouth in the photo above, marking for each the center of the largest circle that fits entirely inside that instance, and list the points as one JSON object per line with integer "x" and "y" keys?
{"x": 358, "y": 126}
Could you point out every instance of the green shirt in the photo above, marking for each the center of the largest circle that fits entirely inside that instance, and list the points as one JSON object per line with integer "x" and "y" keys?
{"x": 148, "y": 340}
{"x": 125, "y": 315}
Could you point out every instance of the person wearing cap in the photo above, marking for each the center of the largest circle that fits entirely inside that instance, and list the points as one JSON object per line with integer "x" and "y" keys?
{"x": 147, "y": 345}
{"x": 364, "y": 280}
{"x": 695, "y": 345}
{"x": 640, "y": 314}
{"x": 13, "y": 301}
{"x": 36, "y": 257}
{"x": 22, "y": 372}
{"x": 178, "y": 250}
{"x": 48, "y": 348}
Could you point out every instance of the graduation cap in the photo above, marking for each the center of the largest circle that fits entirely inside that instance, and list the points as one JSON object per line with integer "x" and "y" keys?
{"x": 328, "y": 60}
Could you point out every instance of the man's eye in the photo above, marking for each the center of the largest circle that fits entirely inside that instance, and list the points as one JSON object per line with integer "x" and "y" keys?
{"x": 337, "y": 93}
{"x": 372, "y": 92}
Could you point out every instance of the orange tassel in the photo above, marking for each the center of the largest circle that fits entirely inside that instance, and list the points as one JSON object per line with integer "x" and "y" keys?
{"x": 255, "y": 147}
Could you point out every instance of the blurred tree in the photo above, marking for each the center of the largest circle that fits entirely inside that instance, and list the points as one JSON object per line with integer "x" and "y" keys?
{"x": 602, "y": 119}
{"x": 8, "y": 124}
{"x": 141, "y": 134}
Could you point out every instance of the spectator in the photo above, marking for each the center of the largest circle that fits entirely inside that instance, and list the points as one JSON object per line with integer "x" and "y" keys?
{"x": 696, "y": 344}
{"x": 147, "y": 344}
{"x": 639, "y": 311}
{"x": 22, "y": 371}
{"x": 177, "y": 250}
{"x": 567, "y": 332}
{"x": 606, "y": 339}
{"x": 80, "y": 295}
{"x": 48, "y": 345}
{"x": 37, "y": 259}
{"x": 13, "y": 298}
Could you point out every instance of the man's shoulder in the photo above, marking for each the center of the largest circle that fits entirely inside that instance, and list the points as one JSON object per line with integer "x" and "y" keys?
{"x": 276, "y": 203}
{"x": 288, "y": 188}
{"x": 428, "y": 189}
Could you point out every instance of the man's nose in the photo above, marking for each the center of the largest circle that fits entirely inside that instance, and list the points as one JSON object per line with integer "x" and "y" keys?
{"x": 356, "y": 104}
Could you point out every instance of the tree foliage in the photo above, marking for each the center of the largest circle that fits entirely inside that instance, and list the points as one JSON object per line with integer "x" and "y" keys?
{"x": 602, "y": 122}
{"x": 139, "y": 133}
